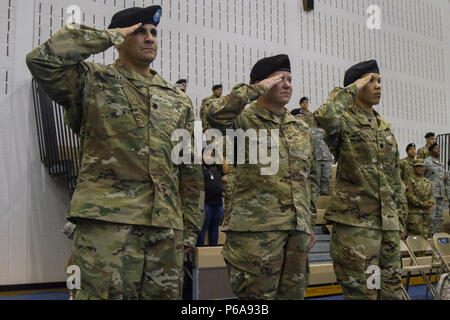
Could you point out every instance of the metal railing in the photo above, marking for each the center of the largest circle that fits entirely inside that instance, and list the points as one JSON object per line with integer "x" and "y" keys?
{"x": 59, "y": 146}
{"x": 443, "y": 140}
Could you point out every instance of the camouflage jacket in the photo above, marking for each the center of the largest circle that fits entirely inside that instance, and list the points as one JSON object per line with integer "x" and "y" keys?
{"x": 203, "y": 112}
{"x": 308, "y": 117}
{"x": 126, "y": 121}
{"x": 285, "y": 200}
{"x": 423, "y": 153}
{"x": 406, "y": 169}
{"x": 418, "y": 195}
{"x": 321, "y": 151}
{"x": 369, "y": 192}
{"x": 434, "y": 171}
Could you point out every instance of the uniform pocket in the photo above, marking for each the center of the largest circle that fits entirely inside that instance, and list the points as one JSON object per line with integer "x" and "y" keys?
{"x": 94, "y": 281}
{"x": 116, "y": 112}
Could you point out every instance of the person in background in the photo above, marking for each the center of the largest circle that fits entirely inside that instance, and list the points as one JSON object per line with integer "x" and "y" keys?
{"x": 308, "y": 116}
{"x": 212, "y": 175}
{"x": 217, "y": 93}
{"x": 435, "y": 172}
{"x": 182, "y": 85}
{"x": 423, "y": 152}
{"x": 406, "y": 164}
{"x": 420, "y": 201}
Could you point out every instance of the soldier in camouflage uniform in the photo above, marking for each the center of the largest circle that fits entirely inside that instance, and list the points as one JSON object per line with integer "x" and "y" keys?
{"x": 420, "y": 201}
{"x": 423, "y": 152}
{"x": 270, "y": 225}
{"x": 368, "y": 204}
{"x": 134, "y": 209}
{"x": 217, "y": 93}
{"x": 307, "y": 115}
{"x": 435, "y": 173}
{"x": 406, "y": 164}
{"x": 324, "y": 160}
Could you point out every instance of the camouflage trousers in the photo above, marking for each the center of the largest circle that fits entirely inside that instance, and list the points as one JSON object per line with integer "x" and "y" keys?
{"x": 437, "y": 215}
{"x": 130, "y": 262}
{"x": 268, "y": 265}
{"x": 354, "y": 250}
{"x": 418, "y": 224}
{"x": 324, "y": 172}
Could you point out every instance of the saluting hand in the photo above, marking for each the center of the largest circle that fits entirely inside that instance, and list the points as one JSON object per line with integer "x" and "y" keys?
{"x": 269, "y": 83}
{"x": 128, "y": 30}
{"x": 361, "y": 83}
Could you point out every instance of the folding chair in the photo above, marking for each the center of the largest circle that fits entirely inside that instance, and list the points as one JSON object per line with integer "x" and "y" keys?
{"x": 413, "y": 246}
{"x": 442, "y": 245}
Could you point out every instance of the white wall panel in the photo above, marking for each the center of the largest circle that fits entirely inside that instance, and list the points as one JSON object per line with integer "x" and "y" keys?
{"x": 210, "y": 42}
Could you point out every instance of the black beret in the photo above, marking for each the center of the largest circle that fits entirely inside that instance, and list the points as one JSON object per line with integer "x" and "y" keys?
{"x": 360, "y": 69}
{"x": 181, "y": 81}
{"x": 217, "y": 86}
{"x": 304, "y": 99}
{"x": 295, "y": 112}
{"x": 266, "y": 66}
{"x": 411, "y": 145}
{"x": 131, "y": 16}
{"x": 429, "y": 135}
{"x": 431, "y": 148}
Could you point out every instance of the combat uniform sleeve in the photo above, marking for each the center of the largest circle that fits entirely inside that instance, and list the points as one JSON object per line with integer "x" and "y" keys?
{"x": 192, "y": 193}
{"x": 58, "y": 67}
{"x": 314, "y": 188}
{"x": 402, "y": 204}
{"x": 330, "y": 115}
{"x": 222, "y": 113}
{"x": 430, "y": 196}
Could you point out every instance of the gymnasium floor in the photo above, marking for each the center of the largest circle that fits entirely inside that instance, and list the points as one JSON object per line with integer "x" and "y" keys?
{"x": 416, "y": 293}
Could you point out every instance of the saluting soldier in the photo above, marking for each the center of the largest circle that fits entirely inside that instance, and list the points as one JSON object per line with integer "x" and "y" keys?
{"x": 270, "y": 226}
{"x": 424, "y": 151}
{"x": 368, "y": 204}
{"x": 420, "y": 201}
{"x": 217, "y": 93}
{"x": 435, "y": 173}
{"x": 134, "y": 209}
{"x": 406, "y": 164}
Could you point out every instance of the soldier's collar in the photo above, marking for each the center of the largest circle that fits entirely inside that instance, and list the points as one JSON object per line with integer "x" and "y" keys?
{"x": 140, "y": 80}
{"x": 362, "y": 118}
{"x": 262, "y": 112}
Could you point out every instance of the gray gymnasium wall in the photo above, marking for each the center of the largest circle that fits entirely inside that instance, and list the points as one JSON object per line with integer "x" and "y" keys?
{"x": 209, "y": 42}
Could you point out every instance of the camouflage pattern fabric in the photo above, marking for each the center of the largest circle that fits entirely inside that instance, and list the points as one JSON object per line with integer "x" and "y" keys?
{"x": 129, "y": 262}
{"x": 418, "y": 195}
{"x": 324, "y": 160}
{"x": 203, "y": 112}
{"x": 268, "y": 265}
{"x": 423, "y": 153}
{"x": 282, "y": 201}
{"x": 434, "y": 171}
{"x": 308, "y": 117}
{"x": 369, "y": 192}
{"x": 437, "y": 215}
{"x": 406, "y": 169}
{"x": 125, "y": 121}
{"x": 354, "y": 250}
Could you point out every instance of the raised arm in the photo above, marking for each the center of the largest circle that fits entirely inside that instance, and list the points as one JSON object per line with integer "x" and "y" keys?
{"x": 58, "y": 67}
{"x": 223, "y": 112}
